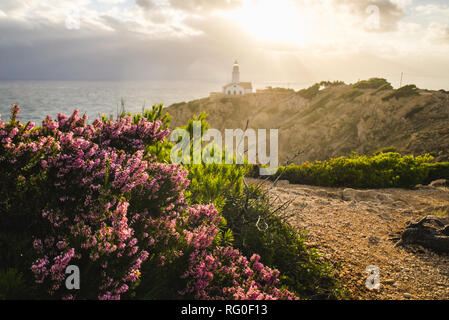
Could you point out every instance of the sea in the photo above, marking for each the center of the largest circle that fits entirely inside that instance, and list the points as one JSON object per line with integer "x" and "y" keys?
{"x": 38, "y": 99}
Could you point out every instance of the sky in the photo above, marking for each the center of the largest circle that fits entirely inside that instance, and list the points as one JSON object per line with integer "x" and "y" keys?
{"x": 289, "y": 41}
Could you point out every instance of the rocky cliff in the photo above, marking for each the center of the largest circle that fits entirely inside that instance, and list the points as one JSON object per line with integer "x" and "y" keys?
{"x": 331, "y": 120}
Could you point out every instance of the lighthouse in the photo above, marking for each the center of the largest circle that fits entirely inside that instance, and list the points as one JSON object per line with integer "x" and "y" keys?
{"x": 236, "y": 87}
{"x": 236, "y": 73}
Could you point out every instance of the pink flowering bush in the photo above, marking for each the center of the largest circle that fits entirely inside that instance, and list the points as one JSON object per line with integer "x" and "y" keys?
{"x": 225, "y": 274}
{"x": 97, "y": 196}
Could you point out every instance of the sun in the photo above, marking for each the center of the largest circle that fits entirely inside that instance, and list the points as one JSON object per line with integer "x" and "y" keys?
{"x": 279, "y": 21}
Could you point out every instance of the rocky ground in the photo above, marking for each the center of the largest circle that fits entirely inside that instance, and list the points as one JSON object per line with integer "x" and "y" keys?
{"x": 354, "y": 229}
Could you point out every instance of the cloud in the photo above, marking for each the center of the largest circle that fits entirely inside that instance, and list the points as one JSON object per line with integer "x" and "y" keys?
{"x": 191, "y": 5}
{"x": 373, "y": 15}
{"x": 438, "y": 33}
{"x": 182, "y": 40}
{"x": 433, "y": 9}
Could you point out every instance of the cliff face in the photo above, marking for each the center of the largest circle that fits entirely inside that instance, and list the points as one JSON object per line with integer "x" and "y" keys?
{"x": 336, "y": 121}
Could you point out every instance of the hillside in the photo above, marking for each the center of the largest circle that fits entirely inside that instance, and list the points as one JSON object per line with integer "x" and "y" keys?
{"x": 335, "y": 119}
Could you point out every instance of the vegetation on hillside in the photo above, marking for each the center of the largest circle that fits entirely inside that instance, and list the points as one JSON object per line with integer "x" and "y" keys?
{"x": 404, "y": 92}
{"x": 373, "y": 83}
{"x": 332, "y": 119}
{"x": 310, "y": 92}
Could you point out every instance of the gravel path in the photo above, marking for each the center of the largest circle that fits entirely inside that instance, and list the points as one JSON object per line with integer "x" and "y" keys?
{"x": 356, "y": 229}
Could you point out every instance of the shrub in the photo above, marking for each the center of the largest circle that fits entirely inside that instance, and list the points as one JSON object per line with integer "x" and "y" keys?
{"x": 210, "y": 182}
{"x": 331, "y": 84}
{"x": 310, "y": 92}
{"x": 404, "y": 92}
{"x": 437, "y": 171}
{"x": 259, "y": 228}
{"x": 383, "y": 170}
{"x": 373, "y": 83}
{"x": 280, "y": 248}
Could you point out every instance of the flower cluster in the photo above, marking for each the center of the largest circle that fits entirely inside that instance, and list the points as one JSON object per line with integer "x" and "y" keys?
{"x": 225, "y": 274}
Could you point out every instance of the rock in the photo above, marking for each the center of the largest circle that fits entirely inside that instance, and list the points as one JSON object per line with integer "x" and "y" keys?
{"x": 430, "y": 232}
{"x": 439, "y": 183}
{"x": 407, "y": 295}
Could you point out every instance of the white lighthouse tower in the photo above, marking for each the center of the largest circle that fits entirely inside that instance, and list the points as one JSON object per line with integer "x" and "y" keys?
{"x": 236, "y": 87}
{"x": 236, "y": 73}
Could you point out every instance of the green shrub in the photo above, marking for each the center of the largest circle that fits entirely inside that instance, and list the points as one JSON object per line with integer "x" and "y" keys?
{"x": 437, "y": 171}
{"x": 280, "y": 247}
{"x": 310, "y": 92}
{"x": 373, "y": 83}
{"x": 257, "y": 228}
{"x": 383, "y": 170}
{"x": 404, "y": 92}
{"x": 331, "y": 84}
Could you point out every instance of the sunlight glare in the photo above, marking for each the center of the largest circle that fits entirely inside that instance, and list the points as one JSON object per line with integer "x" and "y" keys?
{"x": 270, "y": 20}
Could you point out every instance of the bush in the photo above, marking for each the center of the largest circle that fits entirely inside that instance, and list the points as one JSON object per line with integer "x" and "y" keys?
{"x": 383, "y": 170}
{"x": 258, "y": 228}
{"x": 437, "y": 171}
{"x": 95, "y": 196}
{"x": 373, "y": 83}
{"x": 404, "y": 92}
{"x": 331, "y": 84}
{"x": 310, "y": 92}
{"x": 280, "y": 248}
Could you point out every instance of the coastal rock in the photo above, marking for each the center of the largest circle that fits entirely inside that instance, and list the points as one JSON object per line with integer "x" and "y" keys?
{"x": 439, "y": 183}
{"x": 430, "y": 232}
{"x": 330, "y": 125}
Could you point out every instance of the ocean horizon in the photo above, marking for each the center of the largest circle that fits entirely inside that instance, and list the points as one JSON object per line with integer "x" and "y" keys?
{"x": 38, "y": 99}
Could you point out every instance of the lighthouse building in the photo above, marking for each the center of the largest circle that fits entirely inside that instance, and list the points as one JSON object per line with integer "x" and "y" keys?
{"x": 236, "y": 87}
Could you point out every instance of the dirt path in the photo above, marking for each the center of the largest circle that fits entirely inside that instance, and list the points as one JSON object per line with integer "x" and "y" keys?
{"x": 357, "y": 228}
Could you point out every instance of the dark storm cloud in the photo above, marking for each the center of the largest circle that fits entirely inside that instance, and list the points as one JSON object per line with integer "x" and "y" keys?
{"x": 56, "y": 53}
